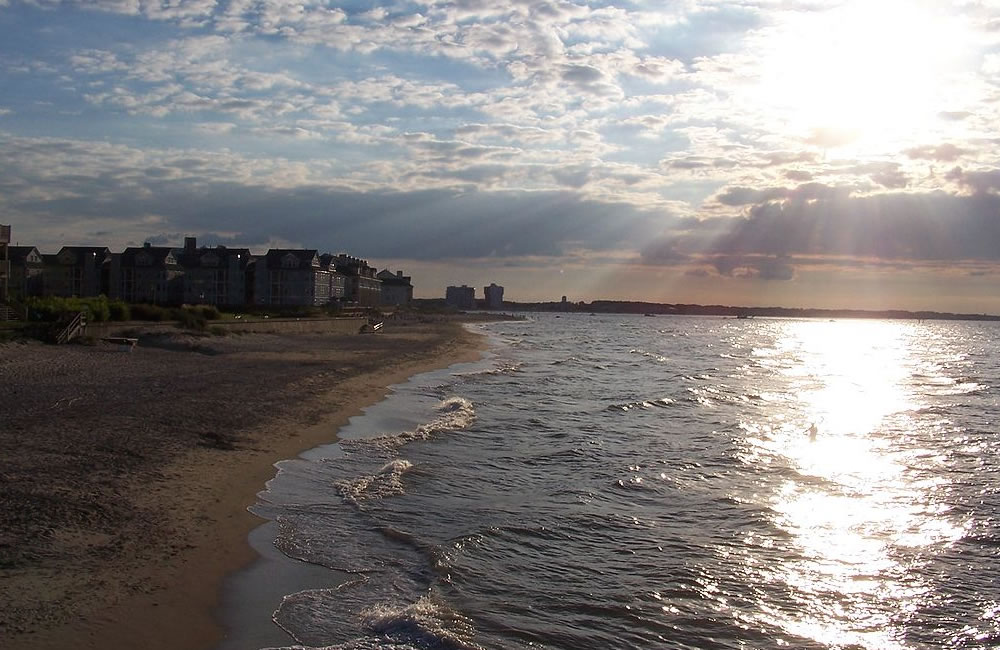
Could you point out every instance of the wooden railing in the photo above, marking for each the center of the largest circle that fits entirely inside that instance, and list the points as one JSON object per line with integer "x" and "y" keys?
{"x": 76, "y": 326}
{"x": 7, "y": 313}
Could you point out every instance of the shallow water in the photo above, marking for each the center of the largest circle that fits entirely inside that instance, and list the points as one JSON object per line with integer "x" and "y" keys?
{"x": 620, "y": 481}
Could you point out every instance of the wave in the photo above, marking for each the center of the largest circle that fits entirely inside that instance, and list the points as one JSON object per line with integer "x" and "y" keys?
{"x": 506, "y": 368}
{"x": 386, "y": 482}
{"x": 652, "y": 355}
{"x": 320, "y": 616}
{"x": 452, "y": 414}
{"x": 662, "y": 402}
{"x": 424, "y": 623}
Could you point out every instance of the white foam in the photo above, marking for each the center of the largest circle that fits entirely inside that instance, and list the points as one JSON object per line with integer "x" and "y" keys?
{"x": 424, "y": 622}
{"x": 387, "y": 481}
{"x": 453, "y": 414}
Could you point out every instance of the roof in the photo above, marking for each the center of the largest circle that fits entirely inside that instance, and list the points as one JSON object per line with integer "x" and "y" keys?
{"x": 19, "y": 254}
{"x": 161, "y": 255}
{"x": 349, "y": 265}
{"x": 306, "y": 257}
{"x": 393, "y": 279}
{"x": 202, "y": 257}
{"x": 100, "y": 253}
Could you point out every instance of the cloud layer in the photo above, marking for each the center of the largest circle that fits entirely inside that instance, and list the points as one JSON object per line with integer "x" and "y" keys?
{"x": 719, "y": 141}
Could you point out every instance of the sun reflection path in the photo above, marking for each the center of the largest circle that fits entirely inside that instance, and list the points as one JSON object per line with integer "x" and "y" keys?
{"x": 851, "y": 503}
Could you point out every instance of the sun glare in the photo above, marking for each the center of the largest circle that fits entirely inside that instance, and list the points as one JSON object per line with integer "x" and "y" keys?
{"x": 853, "y": 497}
{"x": 863, "y": 75}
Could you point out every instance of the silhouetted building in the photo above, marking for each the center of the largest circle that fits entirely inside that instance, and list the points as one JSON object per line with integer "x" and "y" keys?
{"x": 291, "y": 277}
{"x": 494, "y": 296}
{"x": 220, "y": 276}
{"x": 25, "y": 269}
{"x": 4, "y": 263}
{"x": 77, "y": 272}
{"x": 338, "y": 281}
{"x": 396, "y": 288}
{"x": 462, "y": 297}
{"x": 215, "y": 276}
{"x": 147, "y": 274}
{"x": 361, "y": 284}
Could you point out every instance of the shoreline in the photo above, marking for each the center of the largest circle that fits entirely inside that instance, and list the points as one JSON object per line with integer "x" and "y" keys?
{"x": 173, "y": 600}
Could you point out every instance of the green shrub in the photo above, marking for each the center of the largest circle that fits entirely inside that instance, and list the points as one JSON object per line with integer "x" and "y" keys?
{"x": 208, "y": 312}
{"x": 119, "y": 311}
{"x": 188, "y": 319}
{"x": 54, "y": 308}
{"x": 143, "y": 311}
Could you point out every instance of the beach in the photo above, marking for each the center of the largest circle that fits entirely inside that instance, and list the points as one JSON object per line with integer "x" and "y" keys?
{"x": 126, "y": 476}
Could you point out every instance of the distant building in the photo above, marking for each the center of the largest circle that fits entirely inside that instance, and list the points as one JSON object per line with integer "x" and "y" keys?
{"x": 291, "y": 277}
{"x": 361, "y": 284}
{"x": 396, "y": 288}
{"x": 77, "y": 272}
{"x": 338, "y": 281}
{"x": 494, "y": 296}
{"x": 4, "y": 263}
{"x": 220, "y": 276}
{"x": 147, "y": 274}
{"x": 215, "y": 276}
{"x": 462, "y": 297}
{"x": 25, "y": 268}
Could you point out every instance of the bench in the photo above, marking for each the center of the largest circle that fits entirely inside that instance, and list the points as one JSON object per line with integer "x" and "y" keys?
{"x": 125, "y": 343}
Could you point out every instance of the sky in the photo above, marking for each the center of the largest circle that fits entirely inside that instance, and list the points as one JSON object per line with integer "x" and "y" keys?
{"x": 800, "y": 153}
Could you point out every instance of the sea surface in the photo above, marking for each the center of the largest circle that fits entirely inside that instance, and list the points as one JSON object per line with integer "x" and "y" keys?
{"x": 606, "y": 481}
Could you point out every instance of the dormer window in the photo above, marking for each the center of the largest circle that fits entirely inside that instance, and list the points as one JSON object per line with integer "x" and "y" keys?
{"x": 143, "y": 259}
{"x": 289, "y": 261}
{"x": 67, "y": 258}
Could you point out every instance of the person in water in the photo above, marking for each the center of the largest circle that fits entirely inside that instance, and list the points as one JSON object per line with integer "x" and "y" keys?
{"x": 812, "y": 431}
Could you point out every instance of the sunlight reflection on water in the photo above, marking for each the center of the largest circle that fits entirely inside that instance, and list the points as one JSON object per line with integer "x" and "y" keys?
{"x": 852, "y": 500}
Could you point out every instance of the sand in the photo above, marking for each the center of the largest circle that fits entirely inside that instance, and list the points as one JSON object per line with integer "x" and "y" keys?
{"x": 125, "y": 477}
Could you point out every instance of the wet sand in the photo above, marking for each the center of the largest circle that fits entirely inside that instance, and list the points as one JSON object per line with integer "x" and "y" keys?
{"x": 125, "y": 477}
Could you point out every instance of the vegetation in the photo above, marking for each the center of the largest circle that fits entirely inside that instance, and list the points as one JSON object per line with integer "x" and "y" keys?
{"x": 155, "y": 313}
{"x": 54, "y": 309}
{"x": 12, "y": 331}
{"x": 46, "y": 315}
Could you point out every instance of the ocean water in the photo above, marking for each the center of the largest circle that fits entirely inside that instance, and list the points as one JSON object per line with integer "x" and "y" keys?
{"x": 605, "y": 481}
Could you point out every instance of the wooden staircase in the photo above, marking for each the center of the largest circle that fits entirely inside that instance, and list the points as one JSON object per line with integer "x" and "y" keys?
{"x": 7, "y": 313}
{"x": 76, "y": 327}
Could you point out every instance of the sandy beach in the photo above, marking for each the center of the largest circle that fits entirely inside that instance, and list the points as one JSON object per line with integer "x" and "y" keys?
{"x": 125, "y": 477}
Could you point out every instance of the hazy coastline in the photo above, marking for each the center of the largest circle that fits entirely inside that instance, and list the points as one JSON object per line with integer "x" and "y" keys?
{"x": 127, "y": 476}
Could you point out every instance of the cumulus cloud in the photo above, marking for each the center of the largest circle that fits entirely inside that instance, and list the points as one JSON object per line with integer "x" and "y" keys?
{"x": 784, "y": 228}
{"x": 621, "y": 117}
{"x": 946, "y": 152}
{"x": 979, "y": 181}
{"x": 45, "y": 179}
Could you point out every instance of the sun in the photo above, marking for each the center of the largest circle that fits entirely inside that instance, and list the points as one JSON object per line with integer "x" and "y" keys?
{"x": 864, "y": 73}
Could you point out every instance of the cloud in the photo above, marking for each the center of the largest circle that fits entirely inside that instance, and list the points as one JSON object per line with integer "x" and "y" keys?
{"x": 74, "y": 183}
{"x": 626, "y": 118}
{"x": 943, "y": 152}
{"x": 754, "y": 267}
{"x": 980, "y": 182}
{"x": 831, "y": 138}
{"x": 817, "y": 221}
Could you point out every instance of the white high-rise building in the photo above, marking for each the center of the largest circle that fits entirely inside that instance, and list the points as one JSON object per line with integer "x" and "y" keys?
{"x": 494, "y": 296}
